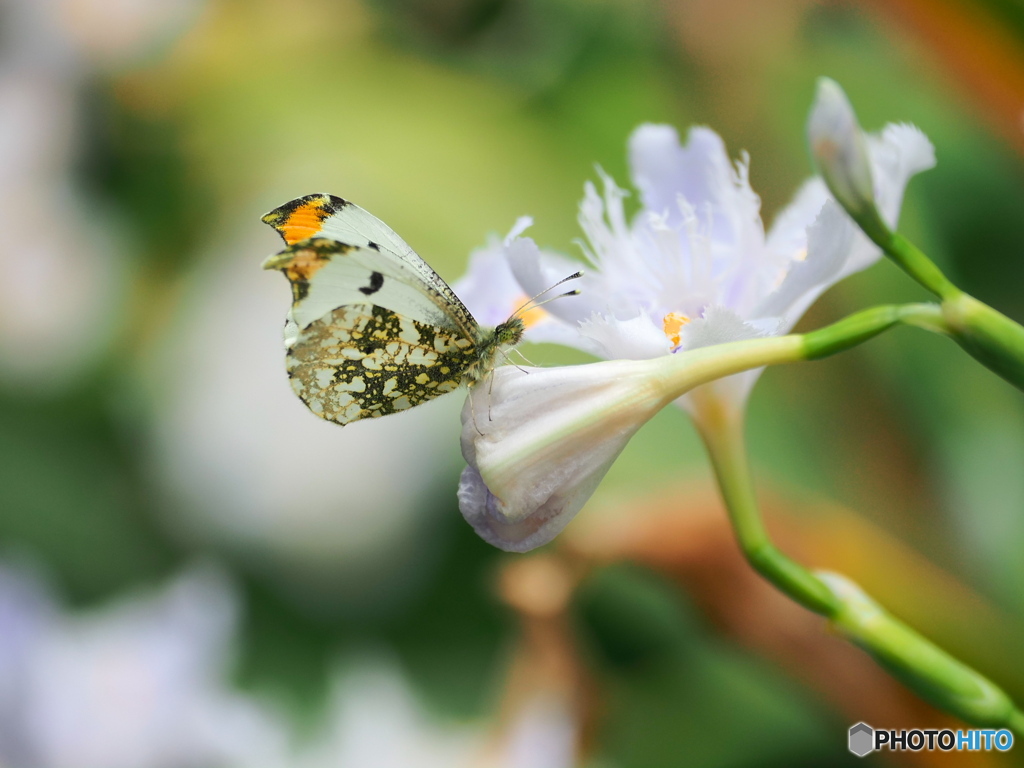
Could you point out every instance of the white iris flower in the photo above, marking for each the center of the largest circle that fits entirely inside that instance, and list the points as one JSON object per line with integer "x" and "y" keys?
{"x": 693, "y": 269}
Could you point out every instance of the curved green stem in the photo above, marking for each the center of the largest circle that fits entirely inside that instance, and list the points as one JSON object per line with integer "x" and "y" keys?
{"x": 946, "y": 682}
{"x": 721, "y": 427}
{"x": 934, "y": 674}
{"x": 990, "y": 337}
{"x": 860, "y": 326}
{"x": 913, "y": 261}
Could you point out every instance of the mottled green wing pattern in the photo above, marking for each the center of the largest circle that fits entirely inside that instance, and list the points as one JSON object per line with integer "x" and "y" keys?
{"x": 362, "y": 361}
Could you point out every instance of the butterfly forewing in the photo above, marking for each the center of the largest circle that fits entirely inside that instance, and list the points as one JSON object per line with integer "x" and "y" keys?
{"x": 363, "y": 361}
{"x": 381, "y": 249}
{"x": 326, "y": 274}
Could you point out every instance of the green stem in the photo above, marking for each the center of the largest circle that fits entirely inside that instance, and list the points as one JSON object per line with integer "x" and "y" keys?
{"x": 721, "y": 427}
{"x": 682, "y": 372}
{"x": 840, "y": 150}
{"x": 993, "y": 339}
{"x": 906, "y": 255}
{"x": 934, "y": 674}
{"x": 913, "y": 261}
{"x": 868, "y": 323}
{"x": 660, "y": 380}
{"x": 990, "y": 337}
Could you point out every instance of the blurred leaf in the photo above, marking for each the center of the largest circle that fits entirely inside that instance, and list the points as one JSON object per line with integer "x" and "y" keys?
{"x": 135, "y": 160}
{"x": 673, "y": 691}
{"x": 72, "y": 497}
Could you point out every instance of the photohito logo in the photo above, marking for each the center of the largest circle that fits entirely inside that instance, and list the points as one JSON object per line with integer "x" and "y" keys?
{"x": 863, "y": 740}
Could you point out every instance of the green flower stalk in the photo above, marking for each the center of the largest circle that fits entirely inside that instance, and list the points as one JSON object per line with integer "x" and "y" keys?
{"x": 921, "y": 665}
{"x": 838, "y": 146}
{"x": 989, "y": 336}
{"x": 944, "y": 681}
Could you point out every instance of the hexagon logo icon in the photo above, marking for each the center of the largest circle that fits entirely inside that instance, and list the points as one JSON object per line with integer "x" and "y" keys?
{"x": 862, "y": 739}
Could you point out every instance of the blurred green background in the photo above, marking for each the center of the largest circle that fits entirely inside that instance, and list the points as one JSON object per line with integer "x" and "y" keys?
{"x": 146, "y": 423}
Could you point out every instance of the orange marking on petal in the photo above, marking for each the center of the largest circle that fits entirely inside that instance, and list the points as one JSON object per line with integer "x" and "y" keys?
{"x": 672, "y": 325}
{"x": 305, "y": 221}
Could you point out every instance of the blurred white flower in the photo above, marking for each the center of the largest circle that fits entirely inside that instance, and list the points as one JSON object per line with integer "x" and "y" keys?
{"x": 695, "y": 266}
{"x": 375, "y": 720}
{"x": 141, "y": 683}
{"x": 64, "y": 273}
{"x": 336, "y": 516}
{"x": 543, "y": 734}
{"x": 26, "y": 612}
{"x": 137, "y": 684}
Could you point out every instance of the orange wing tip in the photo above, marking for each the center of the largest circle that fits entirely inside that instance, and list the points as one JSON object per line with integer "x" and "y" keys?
{"x": 303, "y": 217}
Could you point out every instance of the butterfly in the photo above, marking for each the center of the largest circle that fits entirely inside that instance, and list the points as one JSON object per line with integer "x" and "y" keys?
{"x": 372, "y": 330}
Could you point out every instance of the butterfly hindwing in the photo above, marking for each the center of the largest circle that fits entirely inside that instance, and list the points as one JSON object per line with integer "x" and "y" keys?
{"x": 362, "y": 361}
{"x": 379, "y": 249}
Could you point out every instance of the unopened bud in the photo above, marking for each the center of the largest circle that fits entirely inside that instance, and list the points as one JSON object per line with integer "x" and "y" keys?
{"x": 840, "y": 150}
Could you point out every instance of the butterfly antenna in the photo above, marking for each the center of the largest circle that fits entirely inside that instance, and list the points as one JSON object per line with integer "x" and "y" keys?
{"x": 552, "y": 298}
{"x": 573, "y": 276}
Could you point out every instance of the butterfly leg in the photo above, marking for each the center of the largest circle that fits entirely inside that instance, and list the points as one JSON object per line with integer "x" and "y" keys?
{"x": 490, "y": 389}
{"x": 472, "y": 410}
{"x": 510, "y": 361}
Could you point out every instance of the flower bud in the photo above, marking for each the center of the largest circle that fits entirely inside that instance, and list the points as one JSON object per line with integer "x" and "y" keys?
{"x": 840, "y": 150}
{"x": 539, "y": 443}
